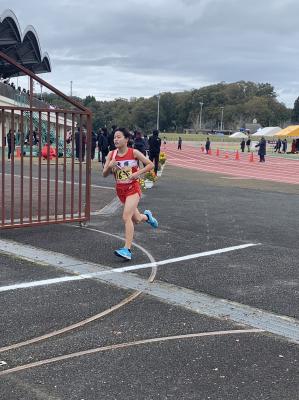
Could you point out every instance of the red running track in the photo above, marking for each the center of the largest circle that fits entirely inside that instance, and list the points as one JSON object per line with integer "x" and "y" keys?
{"x": 274, "y": 169}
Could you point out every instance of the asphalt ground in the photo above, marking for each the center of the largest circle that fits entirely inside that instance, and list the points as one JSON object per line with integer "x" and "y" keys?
{"x": 197, "y": 212}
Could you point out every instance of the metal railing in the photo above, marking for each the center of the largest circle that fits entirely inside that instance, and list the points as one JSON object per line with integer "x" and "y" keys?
{"x": 47, "y": 180}
{"x": 20, "y": 98}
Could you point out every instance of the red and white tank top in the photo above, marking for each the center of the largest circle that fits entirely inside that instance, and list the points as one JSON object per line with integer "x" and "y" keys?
{"x": 126, "y": 166}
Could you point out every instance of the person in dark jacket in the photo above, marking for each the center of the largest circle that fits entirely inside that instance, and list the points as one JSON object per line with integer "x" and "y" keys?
{"x": 80, "y": 139}
{"x": 242, "y": 145}
{"x": 111, "y": 138}
{"x": 208, "y": 145}
{"x": 11, "y": 140}
{"x": 277, "y": 146}
{"x": 104, "y": 145}
{"x": 154, "y": 149}
{"x": 139, "y": 143}
{"x": 180, "y": 143}
{"x": 262, "y": 149}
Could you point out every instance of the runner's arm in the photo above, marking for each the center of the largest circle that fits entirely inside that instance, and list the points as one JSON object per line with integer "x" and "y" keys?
{"x": 109, "y": 164}
{"x": 148, "y": 164}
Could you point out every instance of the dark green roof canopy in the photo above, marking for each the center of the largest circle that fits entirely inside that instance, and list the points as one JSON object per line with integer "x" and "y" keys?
{"x": 23, "y": 48}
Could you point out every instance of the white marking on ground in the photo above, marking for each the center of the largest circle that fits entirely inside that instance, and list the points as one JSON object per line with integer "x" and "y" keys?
{"x": 57, "y": 259}
{"x": 192, "y": 300}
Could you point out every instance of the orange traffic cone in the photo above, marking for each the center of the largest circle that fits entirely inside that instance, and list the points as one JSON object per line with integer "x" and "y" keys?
{"x": 18, "y": 153}
{"x": 210, "y": 152}
{"x": 251, "y": 159}
{"x": 237, "y": 156}
{"x": 226, "y": 155}
{"x": 217, "y": 153}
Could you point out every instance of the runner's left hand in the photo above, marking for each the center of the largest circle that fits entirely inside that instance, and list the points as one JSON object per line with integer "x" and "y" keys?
{"x": 134, "y": 176}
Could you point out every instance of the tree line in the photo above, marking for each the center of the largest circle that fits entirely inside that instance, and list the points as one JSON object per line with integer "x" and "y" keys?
{"x": 242, "y": 102}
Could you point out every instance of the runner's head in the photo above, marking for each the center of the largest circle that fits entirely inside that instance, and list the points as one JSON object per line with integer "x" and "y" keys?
{"x": 121, "y": 137}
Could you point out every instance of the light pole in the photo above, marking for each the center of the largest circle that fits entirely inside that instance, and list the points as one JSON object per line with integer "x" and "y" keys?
{"x": 221, "y": 124}
{"x": 158, "y": 111}
{"x": 201, "y": 104}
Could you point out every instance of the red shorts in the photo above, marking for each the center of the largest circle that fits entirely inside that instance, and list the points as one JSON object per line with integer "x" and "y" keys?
{"x": 127, "y": 189}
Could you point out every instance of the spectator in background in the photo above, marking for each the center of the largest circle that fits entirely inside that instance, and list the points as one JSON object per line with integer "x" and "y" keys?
{"x": 103, "y": 144}
{"x": 293, "y": 150}
{"x": 277, "y": 146}
{"x": 48, "y": 150}
{"x": 242, "y": 145}
{"x": 154, "y": 149}
{"x": 11, "y": 141}
{"x": 146, "y": 145}
{"x": 180, "y": 143}
{"x": 164, "y": 142}
{"x": 139, "y": 143}
{"x": 80, "y": 139}
{"x": 111, "y": 138}
{"x": 248, "y": 143}
{"x": 284, "y": 145}
{"x": 262, "y": 149}
{"x": 208, "y": 145}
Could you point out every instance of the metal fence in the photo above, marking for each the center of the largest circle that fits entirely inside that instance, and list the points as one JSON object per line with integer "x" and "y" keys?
{"x": 45, "y": 162}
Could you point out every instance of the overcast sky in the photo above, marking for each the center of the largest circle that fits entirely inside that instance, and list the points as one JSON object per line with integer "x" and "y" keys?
{"x": 133, "y": 48}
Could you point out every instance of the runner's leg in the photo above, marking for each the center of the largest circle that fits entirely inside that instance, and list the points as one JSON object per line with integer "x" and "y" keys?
{"x": 138, "y": 217}
{"x": 129, "y": 210}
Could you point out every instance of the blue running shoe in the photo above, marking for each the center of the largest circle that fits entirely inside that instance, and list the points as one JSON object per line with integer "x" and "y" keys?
{"x": 123, "y": 253}
{"x": 151, "y": 220}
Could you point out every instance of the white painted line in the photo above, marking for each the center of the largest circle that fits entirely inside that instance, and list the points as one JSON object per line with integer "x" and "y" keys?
{"x": 194, "y": 301}
{"x": 43, "y": 282}
{"x": 184, "y": 258}
{"x": 25, "y": 251}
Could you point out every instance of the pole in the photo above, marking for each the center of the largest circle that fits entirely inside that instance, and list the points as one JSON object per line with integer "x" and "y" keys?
{"x": 158, "y": 112}
{"x": 200, "y": 115}
{"x": 221, "y": 125}
{"x": 71, "y": 88}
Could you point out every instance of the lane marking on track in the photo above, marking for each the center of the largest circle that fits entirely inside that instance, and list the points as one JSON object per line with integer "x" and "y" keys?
{"x": 192, "y": 300}
{"x": 126, "y": 345}
{"x": 61, "y": 260}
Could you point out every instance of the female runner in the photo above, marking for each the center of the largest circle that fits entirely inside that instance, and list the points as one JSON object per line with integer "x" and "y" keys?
{"x": 123, "y": 162}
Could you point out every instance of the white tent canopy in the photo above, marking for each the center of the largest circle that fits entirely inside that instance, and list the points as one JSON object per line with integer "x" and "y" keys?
{"x": 238, "y": 135}
{"x": 268, "y": 131}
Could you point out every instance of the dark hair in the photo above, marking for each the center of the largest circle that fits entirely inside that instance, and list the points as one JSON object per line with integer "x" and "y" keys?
{"x": 155, "y": 132}
{"x": 105, "y": 130}
{"x": 124, "y": 131}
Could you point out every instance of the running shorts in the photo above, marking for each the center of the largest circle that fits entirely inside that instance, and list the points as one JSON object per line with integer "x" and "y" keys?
{"x": 127, "y": 189}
